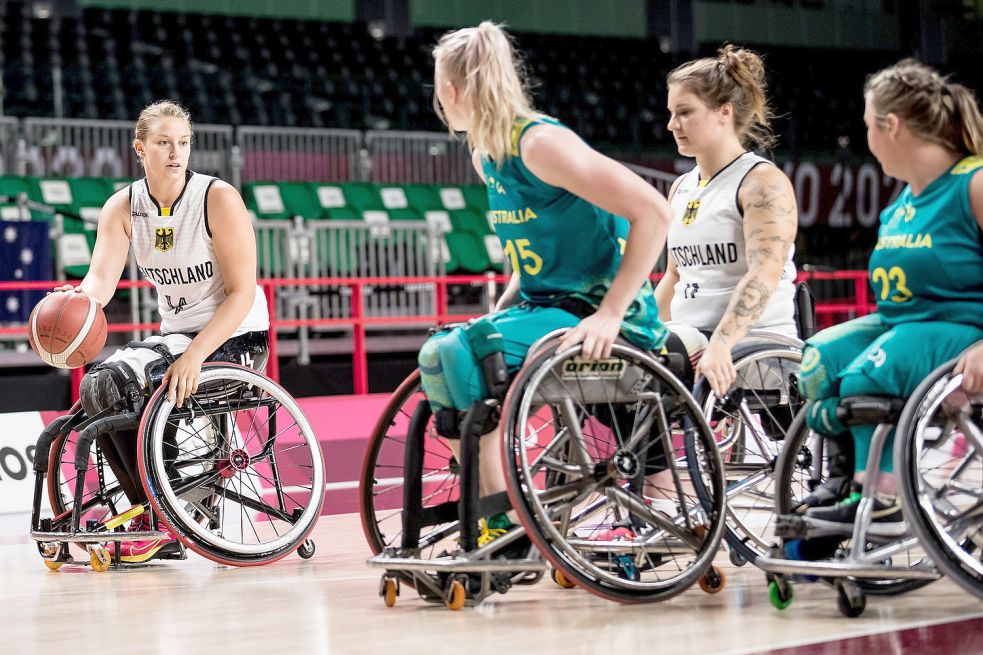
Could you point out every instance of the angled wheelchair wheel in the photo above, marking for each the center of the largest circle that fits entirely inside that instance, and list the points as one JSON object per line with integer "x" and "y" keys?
{"x": 749, "y": 425}
{"x": 237, "y": 472}
{"x": 584, "y": 442}
{"x": 802, "y": 466}
{"x": 102, "y": 496}
{"x": 382, "y": 487}
{"x": 939, "y": 446}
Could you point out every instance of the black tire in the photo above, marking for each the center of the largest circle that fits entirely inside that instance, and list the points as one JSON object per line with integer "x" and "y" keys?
{"x": 564, "y": 524}
{"x": 765, "y": 385}
{"x": 381, "y": 482}
{"x": 946, "y": 542}
{"x": 240, "y": 454}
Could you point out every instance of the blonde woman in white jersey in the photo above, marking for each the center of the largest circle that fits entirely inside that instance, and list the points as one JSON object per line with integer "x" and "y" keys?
{"x": 731, "y": 241}
{"x": 193, "y": 240}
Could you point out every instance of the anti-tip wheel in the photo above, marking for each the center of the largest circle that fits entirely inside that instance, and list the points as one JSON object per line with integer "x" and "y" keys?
{"x": 99, "y": 558}
{"x": 780, "y": 594}
{"x": 389, "y": 589}
{"x": 456, "y": 595}
{"x": 561, "y": 579}
{"x": 713, "y": 581}
{"x": 306, "y": 549}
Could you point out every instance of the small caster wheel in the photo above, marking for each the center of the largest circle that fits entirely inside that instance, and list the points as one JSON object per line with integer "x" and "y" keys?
{"x": 736, "y": 558}
{"x": 389, "y": 590}
{"x": 561, "y": 580}
{"x": 456, "y": 594}
{"x": 99, "y": 558}
{"x": 850, "y": 600}
{"x": 713, "y": 581}
{"x": 780, "y": 593}
{"x": 306, "y": 549}
{"x": 51, "y": 564}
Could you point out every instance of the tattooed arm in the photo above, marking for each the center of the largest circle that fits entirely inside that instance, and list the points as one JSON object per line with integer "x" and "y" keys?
{"x": 770, "y": 223}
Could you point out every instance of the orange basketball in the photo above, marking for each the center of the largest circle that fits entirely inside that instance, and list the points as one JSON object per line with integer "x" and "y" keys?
{"x": 67, "y": 329}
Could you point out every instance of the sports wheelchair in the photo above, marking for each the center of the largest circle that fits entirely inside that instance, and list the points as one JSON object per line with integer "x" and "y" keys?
{"x": 861, "y": 563}
{"x": 750, "y": 422}
{"x": 579, "y": 439}
{"x": 235, "y": 474}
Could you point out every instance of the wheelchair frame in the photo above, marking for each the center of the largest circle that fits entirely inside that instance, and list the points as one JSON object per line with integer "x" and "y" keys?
{"x": 859, "y": 562}
{"x": 53, "y": 535}
{"x": 452, "y": 583}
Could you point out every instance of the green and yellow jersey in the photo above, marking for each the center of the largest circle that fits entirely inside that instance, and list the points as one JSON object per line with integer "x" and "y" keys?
{"x": 561, "y": 245}
{"x": 928, "y": 261}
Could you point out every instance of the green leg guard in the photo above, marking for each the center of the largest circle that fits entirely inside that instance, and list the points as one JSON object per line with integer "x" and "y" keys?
{"x": 821, "y": 417}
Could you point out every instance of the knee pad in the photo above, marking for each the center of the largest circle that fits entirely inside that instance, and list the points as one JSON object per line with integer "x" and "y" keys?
{"x": 110, "y": 386}
{"x": 489, "y": 347}
{"x": 821, "y": 417}
{"x": 814, "y": 379}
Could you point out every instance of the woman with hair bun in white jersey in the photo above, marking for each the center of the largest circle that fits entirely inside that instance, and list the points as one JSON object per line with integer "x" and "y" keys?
{"x": 193, "y": 240}
{"x": 731, "y": 241}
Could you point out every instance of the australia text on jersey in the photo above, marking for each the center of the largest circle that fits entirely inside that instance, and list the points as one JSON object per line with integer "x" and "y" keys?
{"x": 513, "y": 216}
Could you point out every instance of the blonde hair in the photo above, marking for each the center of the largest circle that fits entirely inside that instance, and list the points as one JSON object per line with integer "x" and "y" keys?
{"x": 735, "y": 75}
{"x": 489, "y": 72}
{"x": 934, "y": 108}
{"x": 160, "y": 109}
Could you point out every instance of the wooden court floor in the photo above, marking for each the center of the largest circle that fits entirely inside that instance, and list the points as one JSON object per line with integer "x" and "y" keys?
{"x": 330, "y": 604}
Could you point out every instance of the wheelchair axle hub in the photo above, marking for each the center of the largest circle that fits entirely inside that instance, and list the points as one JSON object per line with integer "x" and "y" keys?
{"x": 238, "y": 461}
{"x": 624, "y": 465}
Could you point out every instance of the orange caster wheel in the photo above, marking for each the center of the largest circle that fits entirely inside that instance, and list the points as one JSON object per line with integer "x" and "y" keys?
{"x": 713, "y": 581}
{"x": 456, "y": 595}
{"x": 99, "y": 558}
{"x": 389, "y": 590}
{"x": 51, "y": 564}
{"x": 562, "y": 580}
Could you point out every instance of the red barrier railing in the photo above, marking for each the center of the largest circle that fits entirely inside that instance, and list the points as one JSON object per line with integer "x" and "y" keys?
{"x": 826, "y": 311}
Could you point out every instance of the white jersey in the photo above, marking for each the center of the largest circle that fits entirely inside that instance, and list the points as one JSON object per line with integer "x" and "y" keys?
{"x": 173, "y": 248}
{"x": 706, "y": 242}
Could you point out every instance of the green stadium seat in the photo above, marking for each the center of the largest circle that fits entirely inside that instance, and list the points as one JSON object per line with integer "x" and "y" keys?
{"x": 265, "y": 199}
{"x": 56, "y": 192}
{"x": 333, "y": 201}
{"x": 300, "y": 200}
{"x": 423, "y": 197}
{"x": 76, "y": 246}
{"x": 468, "y": 251}
{"x": 13, "y": 212}
{"x": 472, "y": 221}
{"x": 395, "y": 201}
{"x": 13, "y": 186}
{"x": 361, "y": 196}
{"x": 90, "y": 194}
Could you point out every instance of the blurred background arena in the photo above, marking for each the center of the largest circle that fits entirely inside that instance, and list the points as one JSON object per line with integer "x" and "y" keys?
{"x": 320, "y": 112}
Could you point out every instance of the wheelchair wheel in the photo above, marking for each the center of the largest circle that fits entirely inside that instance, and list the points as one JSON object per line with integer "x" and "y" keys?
{"x": 583, "y": 440}
{"x": 802, "y": 466}
{"x": 937, "y": 446}
{"x": 382, "y": 482}
{"x": 102, "y": 498}
{"x": 237, "y": 472}
{"x": 749, "y": 426}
